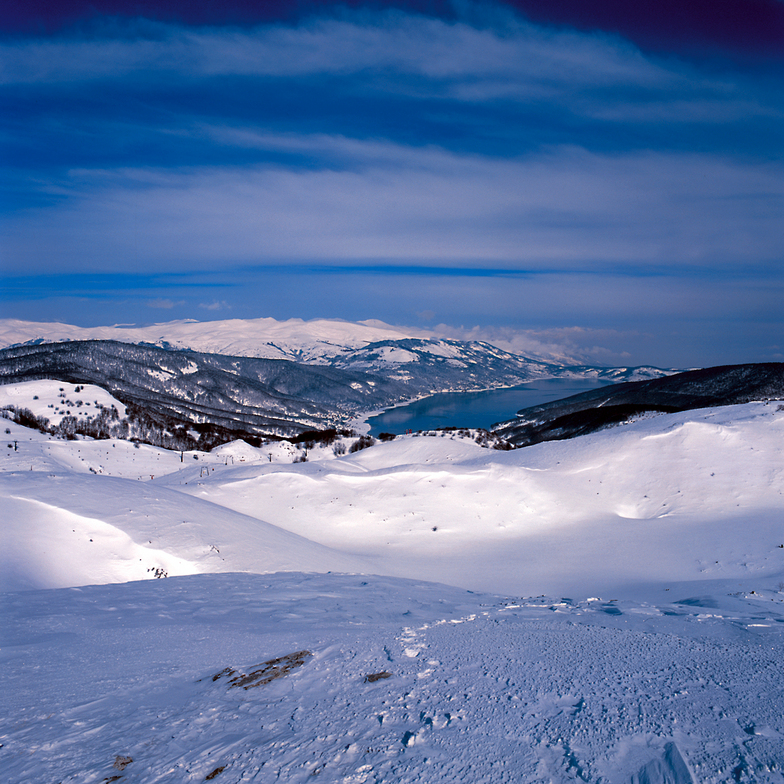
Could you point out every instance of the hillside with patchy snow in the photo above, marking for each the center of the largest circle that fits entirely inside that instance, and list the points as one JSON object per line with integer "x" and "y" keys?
{"x": 590, "y": 411}
{"x": 223, "y": 397}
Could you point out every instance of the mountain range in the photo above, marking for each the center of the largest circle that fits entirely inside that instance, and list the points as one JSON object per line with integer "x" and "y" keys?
{"x": 426, "y": 362}
{"x": 263, "y": 377}
{"x": 243, "y": 396}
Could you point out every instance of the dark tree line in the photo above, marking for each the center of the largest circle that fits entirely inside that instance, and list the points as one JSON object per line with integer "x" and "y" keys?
{"x": 158, "y": 429}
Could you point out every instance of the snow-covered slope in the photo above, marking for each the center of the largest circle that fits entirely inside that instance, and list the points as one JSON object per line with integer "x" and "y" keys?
{"x": 54, "y": 400}
{"x": 687, "y": 496}
{"x": 367, "y": 679}
{"x": 648, "y": 649}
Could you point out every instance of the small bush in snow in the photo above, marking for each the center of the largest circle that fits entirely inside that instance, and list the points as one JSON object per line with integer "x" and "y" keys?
{"x": 363, "y": 442}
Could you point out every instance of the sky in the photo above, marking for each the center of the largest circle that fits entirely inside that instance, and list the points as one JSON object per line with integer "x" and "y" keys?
{"x": 600, "y": 175}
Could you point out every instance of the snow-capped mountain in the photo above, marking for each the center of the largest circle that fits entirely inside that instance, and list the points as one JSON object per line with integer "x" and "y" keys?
{"x": 316, "y": 341}
{"x": 424, "y": 361}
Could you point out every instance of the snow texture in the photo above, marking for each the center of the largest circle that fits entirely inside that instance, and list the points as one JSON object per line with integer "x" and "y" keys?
{"x": 607, "y": 609}
{"x": 480, "y": 688}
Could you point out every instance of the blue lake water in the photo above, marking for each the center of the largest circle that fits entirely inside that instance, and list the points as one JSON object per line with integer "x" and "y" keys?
{"x": 475, "y": 409}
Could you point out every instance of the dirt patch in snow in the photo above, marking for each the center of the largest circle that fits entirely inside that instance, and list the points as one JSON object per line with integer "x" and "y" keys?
{"x": 377, "y": 676}
{"x": 265, "y": 672}
{"x": 121, "y": 762}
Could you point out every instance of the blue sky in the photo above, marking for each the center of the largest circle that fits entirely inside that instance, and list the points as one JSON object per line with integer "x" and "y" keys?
{"x": 592, "y": 175}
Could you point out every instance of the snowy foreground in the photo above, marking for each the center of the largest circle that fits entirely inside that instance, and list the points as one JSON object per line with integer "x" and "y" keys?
{"x": 480, "y": 688}
{"x": 617, "y": 615}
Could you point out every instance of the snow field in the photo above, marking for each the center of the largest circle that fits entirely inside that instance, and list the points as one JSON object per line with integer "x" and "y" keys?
{"x": 678, "y": 497}
{"x": 68, "y": 548}
{"x": 683, "y": 496}
{"x": 632, "y": 631}
{"x": 479, "y": 688}
{"x": 107, "y": 527}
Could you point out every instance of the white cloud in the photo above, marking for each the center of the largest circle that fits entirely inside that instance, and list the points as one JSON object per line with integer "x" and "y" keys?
{"x": 515, "y": 57}
{"x": 215, "y": 305}
{"x": 395, "y": 53}
{"x": 164, "y": 303}
{"x": 567, "y": 209}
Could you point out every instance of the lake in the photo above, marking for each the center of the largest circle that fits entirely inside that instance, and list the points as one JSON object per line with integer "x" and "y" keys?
{"x": 475, "y": 409}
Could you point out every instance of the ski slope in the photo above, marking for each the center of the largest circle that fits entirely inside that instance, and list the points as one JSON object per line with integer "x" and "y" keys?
{"x": 607, "y": 609}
